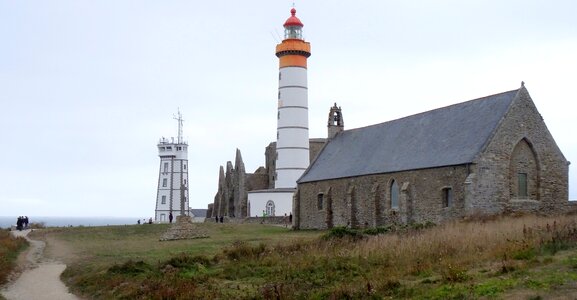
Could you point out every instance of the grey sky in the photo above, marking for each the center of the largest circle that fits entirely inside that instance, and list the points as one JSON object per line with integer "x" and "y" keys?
{"x": 88, "y": 87}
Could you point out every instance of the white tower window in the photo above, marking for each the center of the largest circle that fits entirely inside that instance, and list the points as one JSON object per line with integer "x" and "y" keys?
{"x": 164, "y": 182}
{"x": 165, "y": 167}
{"x": 163, "y": 199}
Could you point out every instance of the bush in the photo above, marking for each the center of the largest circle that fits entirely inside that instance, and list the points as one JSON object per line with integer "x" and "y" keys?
{"x": 378, "y": 230}
{"x": 341, "y": 232}
{"x": 184, "y": 260}
{"x": 419, "y": 226}
{"x": 130, "y": 268}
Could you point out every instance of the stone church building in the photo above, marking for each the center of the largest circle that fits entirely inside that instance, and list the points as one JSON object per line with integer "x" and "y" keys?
{"x": 490, "y": 155}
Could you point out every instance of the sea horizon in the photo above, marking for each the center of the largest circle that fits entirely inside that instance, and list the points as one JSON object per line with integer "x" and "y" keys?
{"x": 67, "y": 221}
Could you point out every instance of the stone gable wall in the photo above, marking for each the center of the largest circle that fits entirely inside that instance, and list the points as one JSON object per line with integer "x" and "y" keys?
{"x": 493, "y": 189}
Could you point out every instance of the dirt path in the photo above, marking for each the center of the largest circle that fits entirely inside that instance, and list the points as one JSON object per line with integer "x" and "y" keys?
{"x": 41, "y": 277}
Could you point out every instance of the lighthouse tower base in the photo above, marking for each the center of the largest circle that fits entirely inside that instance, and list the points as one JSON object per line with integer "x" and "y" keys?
{"x": 273, "y": 202}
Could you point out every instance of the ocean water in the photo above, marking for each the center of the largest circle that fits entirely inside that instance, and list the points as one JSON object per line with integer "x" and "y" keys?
{"x": 6, "y": 222}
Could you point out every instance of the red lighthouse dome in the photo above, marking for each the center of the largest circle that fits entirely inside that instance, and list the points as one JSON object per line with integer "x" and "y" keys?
{"x": 293, "y": 20}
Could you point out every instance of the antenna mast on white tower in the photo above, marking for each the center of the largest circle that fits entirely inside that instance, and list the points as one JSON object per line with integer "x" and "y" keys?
{"x": 180, "y": 120}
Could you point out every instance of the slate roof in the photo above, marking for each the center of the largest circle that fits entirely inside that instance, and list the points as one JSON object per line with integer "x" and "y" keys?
{"x": 200, "y": 212}
{"x": 451, "y": 135}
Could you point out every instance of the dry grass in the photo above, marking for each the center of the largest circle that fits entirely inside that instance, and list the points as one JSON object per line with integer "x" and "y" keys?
{"x": 482, "y": 258}
{"x": 10, "y": 247}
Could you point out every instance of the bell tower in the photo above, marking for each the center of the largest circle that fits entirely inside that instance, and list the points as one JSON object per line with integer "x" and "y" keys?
{"x": 335, "y": 123}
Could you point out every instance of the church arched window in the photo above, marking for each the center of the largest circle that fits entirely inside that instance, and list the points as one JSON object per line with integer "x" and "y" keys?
{"x": 524, "y": 172}
{"x": 394, "y": 195}
{"x": 270, "y": 208}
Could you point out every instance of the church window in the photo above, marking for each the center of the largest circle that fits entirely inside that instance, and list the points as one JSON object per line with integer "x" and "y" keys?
{"x": 522, "y": 177}
{"x": 447, "y": 197}
{"x": 164, "y": 182}
{"x": 165, "y": 167}
{"x": 270, "y": 208}
{"x": 320, "y": 198}
{"x": 163, "y": 200}
{"x": 394, "y": 195}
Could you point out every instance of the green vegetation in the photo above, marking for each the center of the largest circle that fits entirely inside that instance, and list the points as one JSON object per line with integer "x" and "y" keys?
{"x": 490, "y": 259}
{"x": 10, "y": 247}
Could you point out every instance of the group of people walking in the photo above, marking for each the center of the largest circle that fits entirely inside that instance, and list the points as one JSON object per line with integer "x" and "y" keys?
{"x": 144, "y": 221}
{"x": 22, "y": 223}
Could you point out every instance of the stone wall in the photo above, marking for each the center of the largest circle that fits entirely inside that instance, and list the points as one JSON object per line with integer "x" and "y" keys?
{"x": 256, "y": 181}
{"x": 275, "y": 220}
{"x": 522, "y": 144}
{"x": 234, "y": 183}
{"x": 365, "y": 201}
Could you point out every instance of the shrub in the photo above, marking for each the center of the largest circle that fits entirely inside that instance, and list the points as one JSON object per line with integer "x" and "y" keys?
{"x": 378, "y": 230}
{"x": 341, "y": 232}
{"x": 130, "y": 268}
{"x": 184, "y": 260}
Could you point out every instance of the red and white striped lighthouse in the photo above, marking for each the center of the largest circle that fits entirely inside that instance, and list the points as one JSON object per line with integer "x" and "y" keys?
{"x": 292, "y": 143}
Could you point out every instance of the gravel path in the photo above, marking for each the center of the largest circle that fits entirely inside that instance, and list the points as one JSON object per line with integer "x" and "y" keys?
{"x": 41, "y": 278}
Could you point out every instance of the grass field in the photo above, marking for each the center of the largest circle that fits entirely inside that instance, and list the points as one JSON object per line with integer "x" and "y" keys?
{"x": 524, "y": 257}
{"x": 10, "y": 247}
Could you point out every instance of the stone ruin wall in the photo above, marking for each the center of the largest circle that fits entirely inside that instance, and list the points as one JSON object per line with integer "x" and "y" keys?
{"x": 234, "y": 184}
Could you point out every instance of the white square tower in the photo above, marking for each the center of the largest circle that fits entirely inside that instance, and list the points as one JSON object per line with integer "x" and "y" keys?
{"x": 172, "y": 192}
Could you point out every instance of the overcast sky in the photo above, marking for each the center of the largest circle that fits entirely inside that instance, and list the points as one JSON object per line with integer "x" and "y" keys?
{"x": 88, "y": 87}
